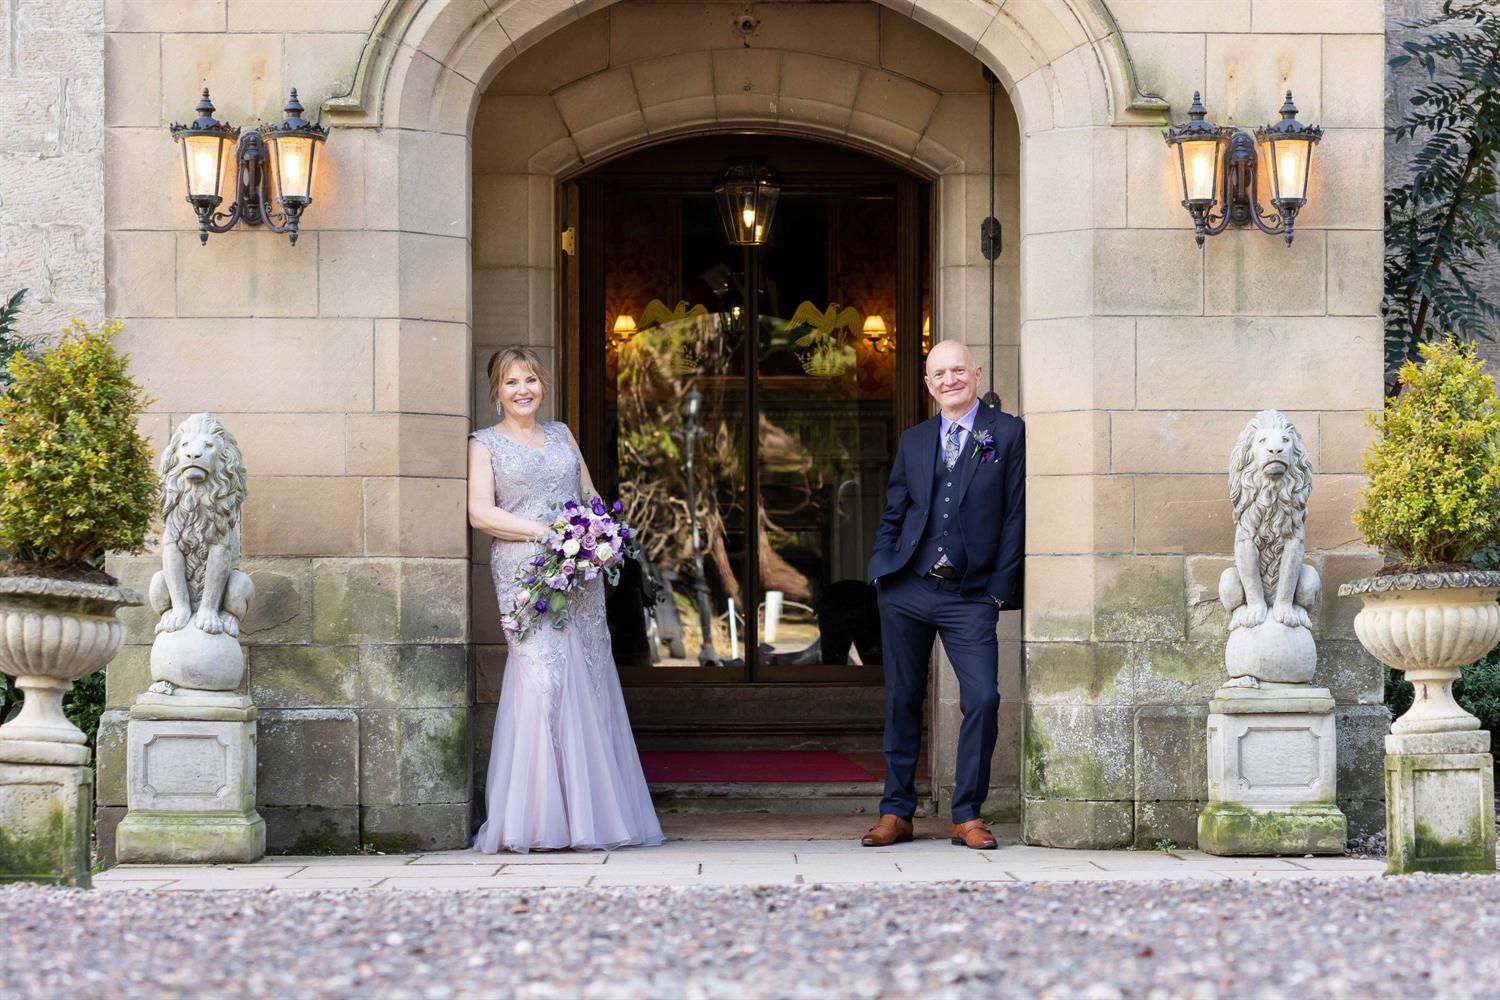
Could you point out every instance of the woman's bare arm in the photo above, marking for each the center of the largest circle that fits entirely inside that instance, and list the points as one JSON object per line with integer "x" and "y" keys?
{"x": 483, "y": 514}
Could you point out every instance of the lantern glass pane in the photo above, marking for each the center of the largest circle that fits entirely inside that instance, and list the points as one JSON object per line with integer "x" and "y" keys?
{"x": 201, "y": 160}
{"x": 294, "y": 162}
{"x": 1200, "y": 162}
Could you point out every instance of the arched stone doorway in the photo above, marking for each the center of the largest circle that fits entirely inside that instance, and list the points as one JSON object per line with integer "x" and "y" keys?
{"x": 427, "y": 81}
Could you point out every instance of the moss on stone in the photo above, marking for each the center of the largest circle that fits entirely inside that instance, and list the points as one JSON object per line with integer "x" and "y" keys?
{"x": 391, "y": 843}
{"x": 1307, "y": 828}
{"x": 1431, "y": 852}
{"x": 1071, "y": 672}
{"x": 325, "y": 838}
{"x": 1142, "y": 603}
{"x": 453, "y": 751}
{"x": 52, "y": 854}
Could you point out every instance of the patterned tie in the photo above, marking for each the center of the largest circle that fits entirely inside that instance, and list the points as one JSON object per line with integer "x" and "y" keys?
{"x": 950, "y": 445}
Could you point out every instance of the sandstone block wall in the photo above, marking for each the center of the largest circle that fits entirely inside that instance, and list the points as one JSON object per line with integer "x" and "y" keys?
{"x": 51, "y": 160}
{"x": 345, "y": 364}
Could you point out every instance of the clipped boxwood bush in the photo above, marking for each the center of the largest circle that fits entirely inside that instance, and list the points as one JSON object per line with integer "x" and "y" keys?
{"x": 1433, "y": 496}
{"x": 76, "y": 477}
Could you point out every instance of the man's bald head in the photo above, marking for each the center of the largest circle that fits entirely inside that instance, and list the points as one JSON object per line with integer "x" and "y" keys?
{"x": 952, "y": 377}
{"x": 949, "y": 352}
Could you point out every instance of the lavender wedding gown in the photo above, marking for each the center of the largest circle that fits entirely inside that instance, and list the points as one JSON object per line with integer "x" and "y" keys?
{"x": 563, "y": 766}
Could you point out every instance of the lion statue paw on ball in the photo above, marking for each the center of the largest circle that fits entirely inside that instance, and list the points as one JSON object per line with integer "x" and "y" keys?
{"x": 1269, "y": 592}
{"x": 203, "y": 485}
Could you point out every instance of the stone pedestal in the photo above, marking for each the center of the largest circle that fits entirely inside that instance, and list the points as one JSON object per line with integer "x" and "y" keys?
{"x": 46, "y": 807}
{"x": 190, "y": 773}
{"x": 1439, "y": 802}
{"x": 1272, "y": 757}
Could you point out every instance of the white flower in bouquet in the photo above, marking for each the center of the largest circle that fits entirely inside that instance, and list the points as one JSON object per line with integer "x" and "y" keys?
{"x": 570, "y": 547}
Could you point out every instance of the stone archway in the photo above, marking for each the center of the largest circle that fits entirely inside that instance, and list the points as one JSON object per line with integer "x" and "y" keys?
{"x": 419, "y": 88}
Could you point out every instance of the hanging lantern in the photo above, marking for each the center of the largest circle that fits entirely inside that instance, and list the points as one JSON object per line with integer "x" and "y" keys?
{"x": 747, "y": 194}
{"x": 203, "y": 142}
{"x": 1287, "y": 147}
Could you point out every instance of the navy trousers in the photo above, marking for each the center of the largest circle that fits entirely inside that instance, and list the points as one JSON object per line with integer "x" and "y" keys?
{"x": 914, "y": 609}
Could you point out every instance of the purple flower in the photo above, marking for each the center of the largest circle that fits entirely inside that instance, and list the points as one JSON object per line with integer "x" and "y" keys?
{"x": 984, "y": 447}
{"x": 624, "y": 532}
{"x": 590, "y": 572}
{"x": 597, "y": 506}
{"x": 617, "y": 506}
{"x": 568, "y": 568}
{"x": 540, "y": 605}
{"x": 509, "y": 624}
{"x": 571, "y": 505}
{"x": 538, "y": 560}
{"x": 588, "y": 541}
{"x": 530, "y": 580}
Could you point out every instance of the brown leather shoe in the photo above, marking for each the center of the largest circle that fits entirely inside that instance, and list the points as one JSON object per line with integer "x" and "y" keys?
{"x": 890, "y": 830}
{"x": 973, "y": 834}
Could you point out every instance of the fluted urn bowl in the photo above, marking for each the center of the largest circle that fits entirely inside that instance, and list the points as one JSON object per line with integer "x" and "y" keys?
{"x": 53, "y": 632}
{"x": 1429, "y": 625}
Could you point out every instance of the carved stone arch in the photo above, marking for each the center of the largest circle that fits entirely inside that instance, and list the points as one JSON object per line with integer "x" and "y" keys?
{"x": 426, "y": 62}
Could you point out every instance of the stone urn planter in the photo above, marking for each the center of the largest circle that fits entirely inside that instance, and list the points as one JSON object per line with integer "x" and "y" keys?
{"x": 52, "y": 632}
{"x": 1440, "y": 805}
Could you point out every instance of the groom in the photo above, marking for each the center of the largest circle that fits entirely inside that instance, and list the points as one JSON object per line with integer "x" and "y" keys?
{"x": 947, "y": 559}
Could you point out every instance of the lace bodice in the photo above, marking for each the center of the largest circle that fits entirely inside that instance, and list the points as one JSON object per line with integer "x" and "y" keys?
{"x": 527, "y": 481}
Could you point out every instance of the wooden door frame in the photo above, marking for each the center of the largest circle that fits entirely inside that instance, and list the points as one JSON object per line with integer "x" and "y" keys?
{"x": 582, "y": 344}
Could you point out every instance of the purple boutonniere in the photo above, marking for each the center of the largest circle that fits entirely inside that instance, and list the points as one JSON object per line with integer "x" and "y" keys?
{"x": 984, "y": 447}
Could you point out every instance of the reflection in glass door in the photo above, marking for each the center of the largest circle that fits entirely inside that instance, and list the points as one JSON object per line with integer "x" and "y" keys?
{"x": 751, "y": 399}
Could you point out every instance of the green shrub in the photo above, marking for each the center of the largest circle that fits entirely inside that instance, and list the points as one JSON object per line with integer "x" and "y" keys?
{"x": 76, "y": 477}
{"x": 1434, "y": 471}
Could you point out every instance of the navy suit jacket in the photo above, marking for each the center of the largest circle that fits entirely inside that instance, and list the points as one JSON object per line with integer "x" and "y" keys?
{"x": 991, "y": 505}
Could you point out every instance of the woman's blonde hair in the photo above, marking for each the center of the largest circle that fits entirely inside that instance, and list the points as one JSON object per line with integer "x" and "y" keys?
{"x": 516, "y": 354}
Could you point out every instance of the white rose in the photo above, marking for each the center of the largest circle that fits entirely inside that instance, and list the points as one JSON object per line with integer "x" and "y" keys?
{"x": 570, "y": 547}
{"x": 522, "y": 598}
{"x": 603, "y": 552}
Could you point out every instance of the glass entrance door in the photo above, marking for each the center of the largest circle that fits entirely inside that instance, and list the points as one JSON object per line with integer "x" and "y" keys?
{"x": 748, "y": 402}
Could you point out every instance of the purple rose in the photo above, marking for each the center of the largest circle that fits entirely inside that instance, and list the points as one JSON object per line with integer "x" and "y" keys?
{"x": 588, "y": 542}
{"x": 568, "y": 568}
{"x": 540, "y": 605}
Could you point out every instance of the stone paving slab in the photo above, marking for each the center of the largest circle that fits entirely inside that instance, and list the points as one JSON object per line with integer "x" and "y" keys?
{"x": 730, "y": 863}
{"x": 770, "y": 851}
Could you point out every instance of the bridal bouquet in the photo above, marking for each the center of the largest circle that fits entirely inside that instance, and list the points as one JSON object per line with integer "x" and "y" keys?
{"x": 585, "y": 542}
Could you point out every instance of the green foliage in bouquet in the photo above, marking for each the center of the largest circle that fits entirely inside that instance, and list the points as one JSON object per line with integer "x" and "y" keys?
{"x": 76, "y": 477}
{"x": 1434, "y": 471}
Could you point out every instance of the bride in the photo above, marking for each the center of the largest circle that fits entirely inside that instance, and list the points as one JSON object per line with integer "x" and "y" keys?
{"x": 563, "y": 765}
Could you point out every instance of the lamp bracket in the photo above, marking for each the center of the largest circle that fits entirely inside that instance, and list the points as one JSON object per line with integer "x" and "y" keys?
{"x": 1241, "y": 197}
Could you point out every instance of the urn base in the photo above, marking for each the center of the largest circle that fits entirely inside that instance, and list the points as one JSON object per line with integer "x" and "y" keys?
{"x": 45, "y": 819}
{"x": 1439, "y": 803}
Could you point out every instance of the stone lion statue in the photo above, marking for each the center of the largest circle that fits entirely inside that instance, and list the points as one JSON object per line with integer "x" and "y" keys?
{"x": 198, "y": 587}
{"x": 1269, "y": 591}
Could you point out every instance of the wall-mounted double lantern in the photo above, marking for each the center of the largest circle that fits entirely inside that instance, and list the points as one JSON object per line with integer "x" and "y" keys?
{"x": 1212, "y": 157}
{"x": 747, "y": 193}
{"x": 282, "y": 155}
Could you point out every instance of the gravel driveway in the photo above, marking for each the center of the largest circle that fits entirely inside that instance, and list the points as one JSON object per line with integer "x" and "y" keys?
{"x": 1415, "y": 936}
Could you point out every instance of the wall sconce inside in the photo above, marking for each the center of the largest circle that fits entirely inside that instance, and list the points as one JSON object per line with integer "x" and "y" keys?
{"x": 1207, "y": 152}
{"x": 284, "y": 155}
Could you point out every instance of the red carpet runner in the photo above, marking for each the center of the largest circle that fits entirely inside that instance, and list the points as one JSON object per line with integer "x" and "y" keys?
{"x": 676, "y": 767}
